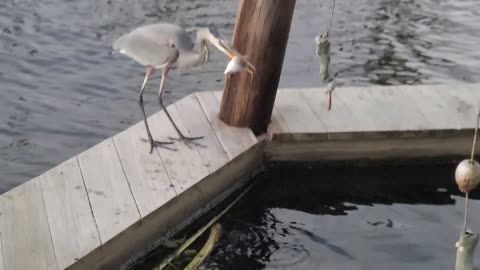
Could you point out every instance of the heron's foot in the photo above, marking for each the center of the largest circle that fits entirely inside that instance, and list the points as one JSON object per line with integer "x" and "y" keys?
{"x": 161, "y": 144}
{"x": 188, "y": 140}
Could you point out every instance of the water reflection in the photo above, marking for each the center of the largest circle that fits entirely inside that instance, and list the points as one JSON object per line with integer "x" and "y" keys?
{"x": 368, "y": 218}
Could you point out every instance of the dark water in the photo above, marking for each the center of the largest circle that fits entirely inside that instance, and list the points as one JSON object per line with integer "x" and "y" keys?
{"x": 349, "y": 218}
{"x": 61, "y": 92}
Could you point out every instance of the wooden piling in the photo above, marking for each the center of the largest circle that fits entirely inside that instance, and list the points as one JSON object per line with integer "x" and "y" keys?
{"x": 261, "y": 32}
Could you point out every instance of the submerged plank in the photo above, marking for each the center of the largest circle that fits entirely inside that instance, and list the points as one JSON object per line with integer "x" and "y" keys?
{"x": 151, "y": 186}
{"x": 25, "y": 233}
{"x": 297, "y": 115}
{"x": 233, "y": 139}
{"x": 194, "y": 119}
{"x": 184, "y": 165}
{"x": 113, "y": 205}
{"x": 68, "y": 210}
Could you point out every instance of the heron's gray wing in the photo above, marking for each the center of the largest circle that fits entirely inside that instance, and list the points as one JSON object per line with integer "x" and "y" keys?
{"x": 162, "y": 33}
{"x": 144, "y": 50}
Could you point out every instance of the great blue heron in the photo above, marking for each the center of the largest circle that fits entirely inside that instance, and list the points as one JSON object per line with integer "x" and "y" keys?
{"x": 167, "y": 46}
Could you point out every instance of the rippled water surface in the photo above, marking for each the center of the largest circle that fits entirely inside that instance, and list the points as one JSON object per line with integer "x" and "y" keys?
{"x": 346, "y": 219}
{"x": 62, "y": 92}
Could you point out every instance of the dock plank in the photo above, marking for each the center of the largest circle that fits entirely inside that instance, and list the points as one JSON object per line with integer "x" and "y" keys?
{"x": 25, "y": 233}
{"x": 339, "y": 118}
{"x": 402, "y": 107}
{"x": 185, "y": 165}
{"x": 234, "y": 140}
{"x": 194, "y": 119}
{"x": 2, "y": 261}
{"x": 151, "y": 186}
{"x": 68, "y": 210}
{"x": 298, "y": 118}
{"x": 360, "y": 102}
{"x": 113, "y": 205}
{"x": 435, "y": 107}
{"x": 464, "y": 100}
{"x": 276, "y": 126}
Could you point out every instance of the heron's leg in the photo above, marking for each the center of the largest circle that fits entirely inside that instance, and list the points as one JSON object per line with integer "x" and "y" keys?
{"x": 140, "y": 102}
{"x": 160, "y": 101}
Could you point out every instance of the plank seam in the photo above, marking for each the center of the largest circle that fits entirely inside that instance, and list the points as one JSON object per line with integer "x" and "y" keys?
{"x": 179, "y": 119}
{"x": 304, "y": 101}
{"x": 166, "y": 170}
{"x": 304, "y": 97}
{"x": 89, "y": 202}
{"x": 211, "y": 125}
{"x": 126, "y": 178}
{"x": 3, "y": 253}
{"x": 48, "y": 223}
{"x": 219, "y": 99}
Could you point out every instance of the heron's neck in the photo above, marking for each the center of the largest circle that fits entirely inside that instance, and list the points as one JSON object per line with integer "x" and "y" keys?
{"x": 194, "y": 58}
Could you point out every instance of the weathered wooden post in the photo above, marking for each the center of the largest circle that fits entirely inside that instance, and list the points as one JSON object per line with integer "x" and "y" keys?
{"x": 261, "y": 32}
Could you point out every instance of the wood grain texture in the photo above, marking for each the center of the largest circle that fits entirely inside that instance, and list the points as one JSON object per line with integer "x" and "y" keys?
{"x": 2, "y": 261}
{"x": 402, "y": 108}
{"x": 112, "y": 202}
{"x": 393, "y": 149}
{"x": 261, "y": 34}
{"x": 339, "y": 118}
{"x": 149, "y": 181}
{"x": 239, "y": 42}
{"x": 360, "y": 102}
{"x": 68, "y": 210}
{"x": 234, "y": 140}
{"x": 185, "y": 165}
{"x": 26, "y": 239}
{"x": 434, "y": 106}
{"x": 276, "y": 126}
{"x": 465, "y": 100}
{"x": 193, "y": 118}
{"x": 296, "y": 114}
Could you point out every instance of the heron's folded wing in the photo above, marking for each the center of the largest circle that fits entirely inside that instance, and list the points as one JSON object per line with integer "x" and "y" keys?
{"x": 143, "y": 50}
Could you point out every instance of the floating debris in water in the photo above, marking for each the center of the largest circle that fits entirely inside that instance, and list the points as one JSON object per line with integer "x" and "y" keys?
{"x": 388, "y": 223}
{"x": 212, "y": 240}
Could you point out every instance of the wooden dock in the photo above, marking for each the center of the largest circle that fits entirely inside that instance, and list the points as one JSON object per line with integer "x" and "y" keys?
{"x": 112, "y": 203}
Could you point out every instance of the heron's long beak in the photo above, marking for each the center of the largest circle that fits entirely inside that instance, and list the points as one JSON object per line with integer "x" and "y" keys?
{"x": 237, "y": 60}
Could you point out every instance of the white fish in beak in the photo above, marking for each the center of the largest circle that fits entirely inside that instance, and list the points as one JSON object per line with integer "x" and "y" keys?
{"x": 235, "y": 65}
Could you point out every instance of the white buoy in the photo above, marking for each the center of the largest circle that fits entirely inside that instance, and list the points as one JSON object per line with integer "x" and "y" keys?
{"x": 467, "y": 175}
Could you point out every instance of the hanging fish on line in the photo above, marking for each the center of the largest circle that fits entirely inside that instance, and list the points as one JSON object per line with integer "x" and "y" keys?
{"x": 328, "y": 91}
{"x": 323, "y": 51}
